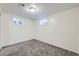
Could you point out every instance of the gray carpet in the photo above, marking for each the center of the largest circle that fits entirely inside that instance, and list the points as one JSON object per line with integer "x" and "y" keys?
{"x": 34, "y": 48}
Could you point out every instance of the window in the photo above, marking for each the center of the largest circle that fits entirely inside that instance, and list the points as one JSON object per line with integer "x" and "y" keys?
{"x": 43, "y": 21}
{"x": 17, "y": 20}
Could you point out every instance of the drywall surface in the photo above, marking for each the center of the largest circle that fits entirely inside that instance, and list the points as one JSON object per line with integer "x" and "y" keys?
{"x": 4, "y": 28}
{"x": 19, "y": 33}
{"x": 0, "y": 27}
{"x": 61, "y": 30}
{"x": 12, "y": 33}
{"x": 78, "y": 36}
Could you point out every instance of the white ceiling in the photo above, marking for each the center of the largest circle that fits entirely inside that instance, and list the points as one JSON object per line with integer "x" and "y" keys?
{"x": 45, "y": 9}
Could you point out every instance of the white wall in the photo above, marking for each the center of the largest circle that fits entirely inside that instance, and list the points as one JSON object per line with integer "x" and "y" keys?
{"x": 11, "y": 33}
{"x": 21, "y": 33}
{"x": 4, "y": 28}
{"x": 78, "y": 36}
{"x": 61, "y": 30}
{"x": 0, "y": 29}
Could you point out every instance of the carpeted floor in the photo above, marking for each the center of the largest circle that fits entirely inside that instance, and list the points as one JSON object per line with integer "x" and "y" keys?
{"x": 34, "y": 48}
